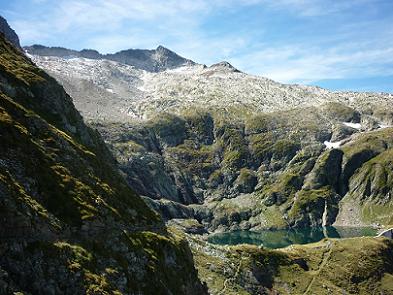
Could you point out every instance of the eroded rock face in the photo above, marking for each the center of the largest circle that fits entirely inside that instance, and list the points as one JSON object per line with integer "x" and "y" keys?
{"x": 138, "y": 84}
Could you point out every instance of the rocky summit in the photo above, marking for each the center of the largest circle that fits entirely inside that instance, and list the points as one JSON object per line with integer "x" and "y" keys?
{"x": 171, "y": 152}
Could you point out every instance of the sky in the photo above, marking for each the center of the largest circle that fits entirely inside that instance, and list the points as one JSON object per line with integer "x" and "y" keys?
{"x": 335, "y": 44}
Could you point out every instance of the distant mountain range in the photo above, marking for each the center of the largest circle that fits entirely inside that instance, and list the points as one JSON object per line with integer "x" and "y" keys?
{"x": 155, "y": 60}
{"x": 115, "y": 90}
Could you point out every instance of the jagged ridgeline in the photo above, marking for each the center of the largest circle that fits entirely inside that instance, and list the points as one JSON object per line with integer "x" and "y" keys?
{"x": 70, "y": 224}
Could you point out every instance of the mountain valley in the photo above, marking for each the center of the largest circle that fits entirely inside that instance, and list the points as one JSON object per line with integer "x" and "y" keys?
{"x": 116, "y": 168}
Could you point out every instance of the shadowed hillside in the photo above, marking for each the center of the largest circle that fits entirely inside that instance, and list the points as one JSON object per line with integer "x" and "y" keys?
{"x": 69, "y": 222}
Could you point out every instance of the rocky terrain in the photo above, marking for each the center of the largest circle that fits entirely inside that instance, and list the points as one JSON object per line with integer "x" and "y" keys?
{"x": 155, "y": 60}
{"x": 236, "y": 151}
{"x": 69, "y": 222}
{"x": 210, "y": 149}
{"x": 110, "y": 91}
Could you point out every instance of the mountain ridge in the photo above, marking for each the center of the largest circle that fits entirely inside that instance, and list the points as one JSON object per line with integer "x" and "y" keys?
{"x": 218, "y": 142}
{"x": 152, "y": 60}
{"x": 137, "y": 94}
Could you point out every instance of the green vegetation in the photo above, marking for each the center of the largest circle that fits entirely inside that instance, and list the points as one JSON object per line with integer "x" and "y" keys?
{"x": 356, "y": 266}
{"x": 62, "y": 181}
{"x": 200, "y": 126}
{"x": 169, "y": 128}
{"x": 287, "y": 184}
{"x": 65, "y": 205}
{"x": 260, "y": 123}
{"x": 340, "y": 112}
{"x": 371, "y": 187}
{"x": 168, "y": 261}
{"x": 196, "y": 161}
{"x": 309, "y": 199}
{"x": 246, "y": 180}
{"x": 351, "y": 266}
{"x": 261, "y": 146}
{"x": 373, "y": 143}
{"x": 236, "y": 153}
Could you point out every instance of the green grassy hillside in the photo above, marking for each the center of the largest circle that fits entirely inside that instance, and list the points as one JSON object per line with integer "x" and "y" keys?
{"x": 69, "y": 222}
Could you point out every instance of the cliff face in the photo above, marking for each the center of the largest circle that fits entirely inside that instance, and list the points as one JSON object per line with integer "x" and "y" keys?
{"x": 266, "y": 170}
{"x": 69, "y": 222}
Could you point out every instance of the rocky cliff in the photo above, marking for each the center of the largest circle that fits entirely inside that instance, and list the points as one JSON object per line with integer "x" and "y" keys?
{"x": 269, "y": 170}
{"x": 70, "y": 224}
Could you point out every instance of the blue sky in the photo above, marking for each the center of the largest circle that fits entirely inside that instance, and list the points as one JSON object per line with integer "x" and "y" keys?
{"x": 336, "y": 44}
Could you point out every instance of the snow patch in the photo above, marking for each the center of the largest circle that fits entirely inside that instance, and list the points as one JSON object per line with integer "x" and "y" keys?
{"x": 382, "y": 126}
{"x": 332, "y": 145}
{"x": 141, "y": 88}
{"x": 353, "y": 125}
{"x": 186, "y": 69}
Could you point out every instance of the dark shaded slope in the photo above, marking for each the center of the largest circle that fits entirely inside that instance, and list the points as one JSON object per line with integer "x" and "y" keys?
{"x": 69, "y": 222}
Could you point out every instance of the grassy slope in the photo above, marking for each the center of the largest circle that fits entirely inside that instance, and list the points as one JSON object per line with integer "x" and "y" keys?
{"x": 65, "y": 207}
{"x": 368, "y": 163}
{"x": 350, "y": 266}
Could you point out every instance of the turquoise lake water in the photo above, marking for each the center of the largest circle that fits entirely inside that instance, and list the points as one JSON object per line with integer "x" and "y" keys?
{"x": 280, "y": 238}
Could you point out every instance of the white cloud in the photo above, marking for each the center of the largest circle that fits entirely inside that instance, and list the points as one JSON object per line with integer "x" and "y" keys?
{"x": 302, "y": 64}
{"x": 120, "y": 24}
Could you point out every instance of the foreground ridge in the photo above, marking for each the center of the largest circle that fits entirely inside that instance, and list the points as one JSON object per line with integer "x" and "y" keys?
{"x": 70, "y": 223}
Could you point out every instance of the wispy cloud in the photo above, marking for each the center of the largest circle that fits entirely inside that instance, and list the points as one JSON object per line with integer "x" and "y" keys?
{"x": 287, "y": 40}
{"x": 301, "y": 64}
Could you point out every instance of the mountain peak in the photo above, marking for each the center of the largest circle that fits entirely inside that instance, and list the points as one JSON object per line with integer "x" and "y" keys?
{"x": 224, "y": 65}
{"x": 162, "y": 48}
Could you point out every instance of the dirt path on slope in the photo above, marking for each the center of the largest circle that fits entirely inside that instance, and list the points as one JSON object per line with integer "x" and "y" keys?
{"x": 326, "y": 257}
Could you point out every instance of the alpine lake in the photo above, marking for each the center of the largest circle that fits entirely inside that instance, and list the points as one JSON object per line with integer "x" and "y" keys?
{"x": 280, "y": 238}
